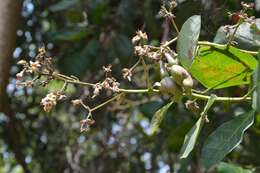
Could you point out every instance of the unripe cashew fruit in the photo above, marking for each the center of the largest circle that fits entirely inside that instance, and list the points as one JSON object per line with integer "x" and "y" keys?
{"x": 182, "y": 77}
{"x": 163, "y": 70}
{"x": 170, "y": 59}
{"x": 187, "y": 84}
{"x": 168, "y": 86}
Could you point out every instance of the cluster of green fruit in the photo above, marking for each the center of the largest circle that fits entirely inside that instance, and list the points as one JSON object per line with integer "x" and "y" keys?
{"x": 178, "y": 82}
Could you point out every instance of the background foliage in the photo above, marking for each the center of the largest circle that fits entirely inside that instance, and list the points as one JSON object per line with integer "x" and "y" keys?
{"x": 82, "y": 36}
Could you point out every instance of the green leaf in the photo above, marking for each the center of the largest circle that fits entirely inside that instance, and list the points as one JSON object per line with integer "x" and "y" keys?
{"x": 225, "y": 138}
{"x": 62, "y": 5}
{"x": 191, "y": 138}
{"x": 176, "y": 136}
{"x": 247, "y": 36}
{"x": 231, "y": 168}
{"x": 256, "y": 95}
{"x": 188, "y": 39}
{"x": 192, "y": 135}
{"x": 218, "y": 68}
{"x": 84, "y": 59}
{"x": 70, "y": 34}
{"x": 158, "y": 117}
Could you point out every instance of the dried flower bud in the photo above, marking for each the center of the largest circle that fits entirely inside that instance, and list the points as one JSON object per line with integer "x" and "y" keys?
{"x": 76, "y": 102}
{"x": 42, "y": 50}
{"x": 115, "y": 86}
{"x": 61, "y": 96}
{"x": 20, "y": 75}
{"x": 154, "y": 56}
{"x": 173, "y": 4}
{"x": 22, "y": 62}
{"x": 86, "y": 123}
{"x": 140, "y": 51}
{"x": 247, "y": 5}
{"x": 127, "y": 74}
{"x": 49, "y": 101}
{"x": 139, "y": 37}
{"x": 107, "y": 69}
{"x": 97, "y": 88}
{"x": 162, "y": 12}
{"x": 192, "y": 106}
{"x": 105, "y": 84}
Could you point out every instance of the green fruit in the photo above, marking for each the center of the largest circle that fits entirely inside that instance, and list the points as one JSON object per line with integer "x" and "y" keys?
{"x": 178, "y": 94}
{"x": 182, "y": 77}
{"x": 168, "y": 85}
{"x": 170, "y": 59}
{"x": 178, "y": 73}
{"x": 187, "y": 84}
{"x": 163, "y": 70}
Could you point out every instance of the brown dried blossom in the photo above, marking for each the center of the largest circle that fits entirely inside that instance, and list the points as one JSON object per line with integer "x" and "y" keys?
{"x": 41, "y": 53}
{"x": 51, "y": 100}
{"x": 22, "y": 62}
{"x": 154, "y": 56}
{"x": 141, "y": 50}
{"x": 115, "y": 86}
{"x": 107, "y": 69}
{"x": 173, "y": 4}
{"x": 97, "y": 88}
{"x": 76, "y": 102}
{"x": 127, "y": 74}
{"x": 192, "y": 106}
{"x": 139, "y": 37}
{"x": 247, "y": 5}
{"x": 86, "y": 123}
{"x": 20, "y": 74}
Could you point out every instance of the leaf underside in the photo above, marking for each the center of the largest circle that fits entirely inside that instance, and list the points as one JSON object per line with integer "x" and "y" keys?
{"x": 191, "y": 138}
{"x": 247, "y": 36}
{"x": 158, "y": 117}
{"x": 225, "y": 138}
{"x": 187, "y": 40}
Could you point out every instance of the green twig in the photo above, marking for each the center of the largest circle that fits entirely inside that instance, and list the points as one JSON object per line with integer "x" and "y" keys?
{"x": 206, "y": 43}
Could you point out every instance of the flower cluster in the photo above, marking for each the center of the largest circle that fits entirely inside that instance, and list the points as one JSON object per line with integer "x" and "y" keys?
{"x": 51, "y": 100}
{"x": 109, "y": 83}
{"x": 86, "y": 123}
{"x": 41, "y": 64}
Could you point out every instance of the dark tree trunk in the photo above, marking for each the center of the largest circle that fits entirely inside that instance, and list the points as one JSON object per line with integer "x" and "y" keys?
{"x": 9, "y": 18}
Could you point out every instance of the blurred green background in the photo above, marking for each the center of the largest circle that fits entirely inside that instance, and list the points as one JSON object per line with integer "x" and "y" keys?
{"x": 82, "y": 36}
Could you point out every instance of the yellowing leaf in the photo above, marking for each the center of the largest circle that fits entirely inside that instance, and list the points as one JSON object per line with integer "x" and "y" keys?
{"x": 219, "y": 68}
{"x": 158, "y": 117}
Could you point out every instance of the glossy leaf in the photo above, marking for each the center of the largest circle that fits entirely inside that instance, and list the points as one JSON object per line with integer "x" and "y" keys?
{"x": 188, "y": 39}
{"x": 219, "y": 68}
{"x": 247, "y": 36}
{"x": 158, "y": 117}
{"x": 231, "y": 168}
{"x": 225, "y": 138}
{"x": 256, "y": 95}
{"x": 192, "y": 135}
